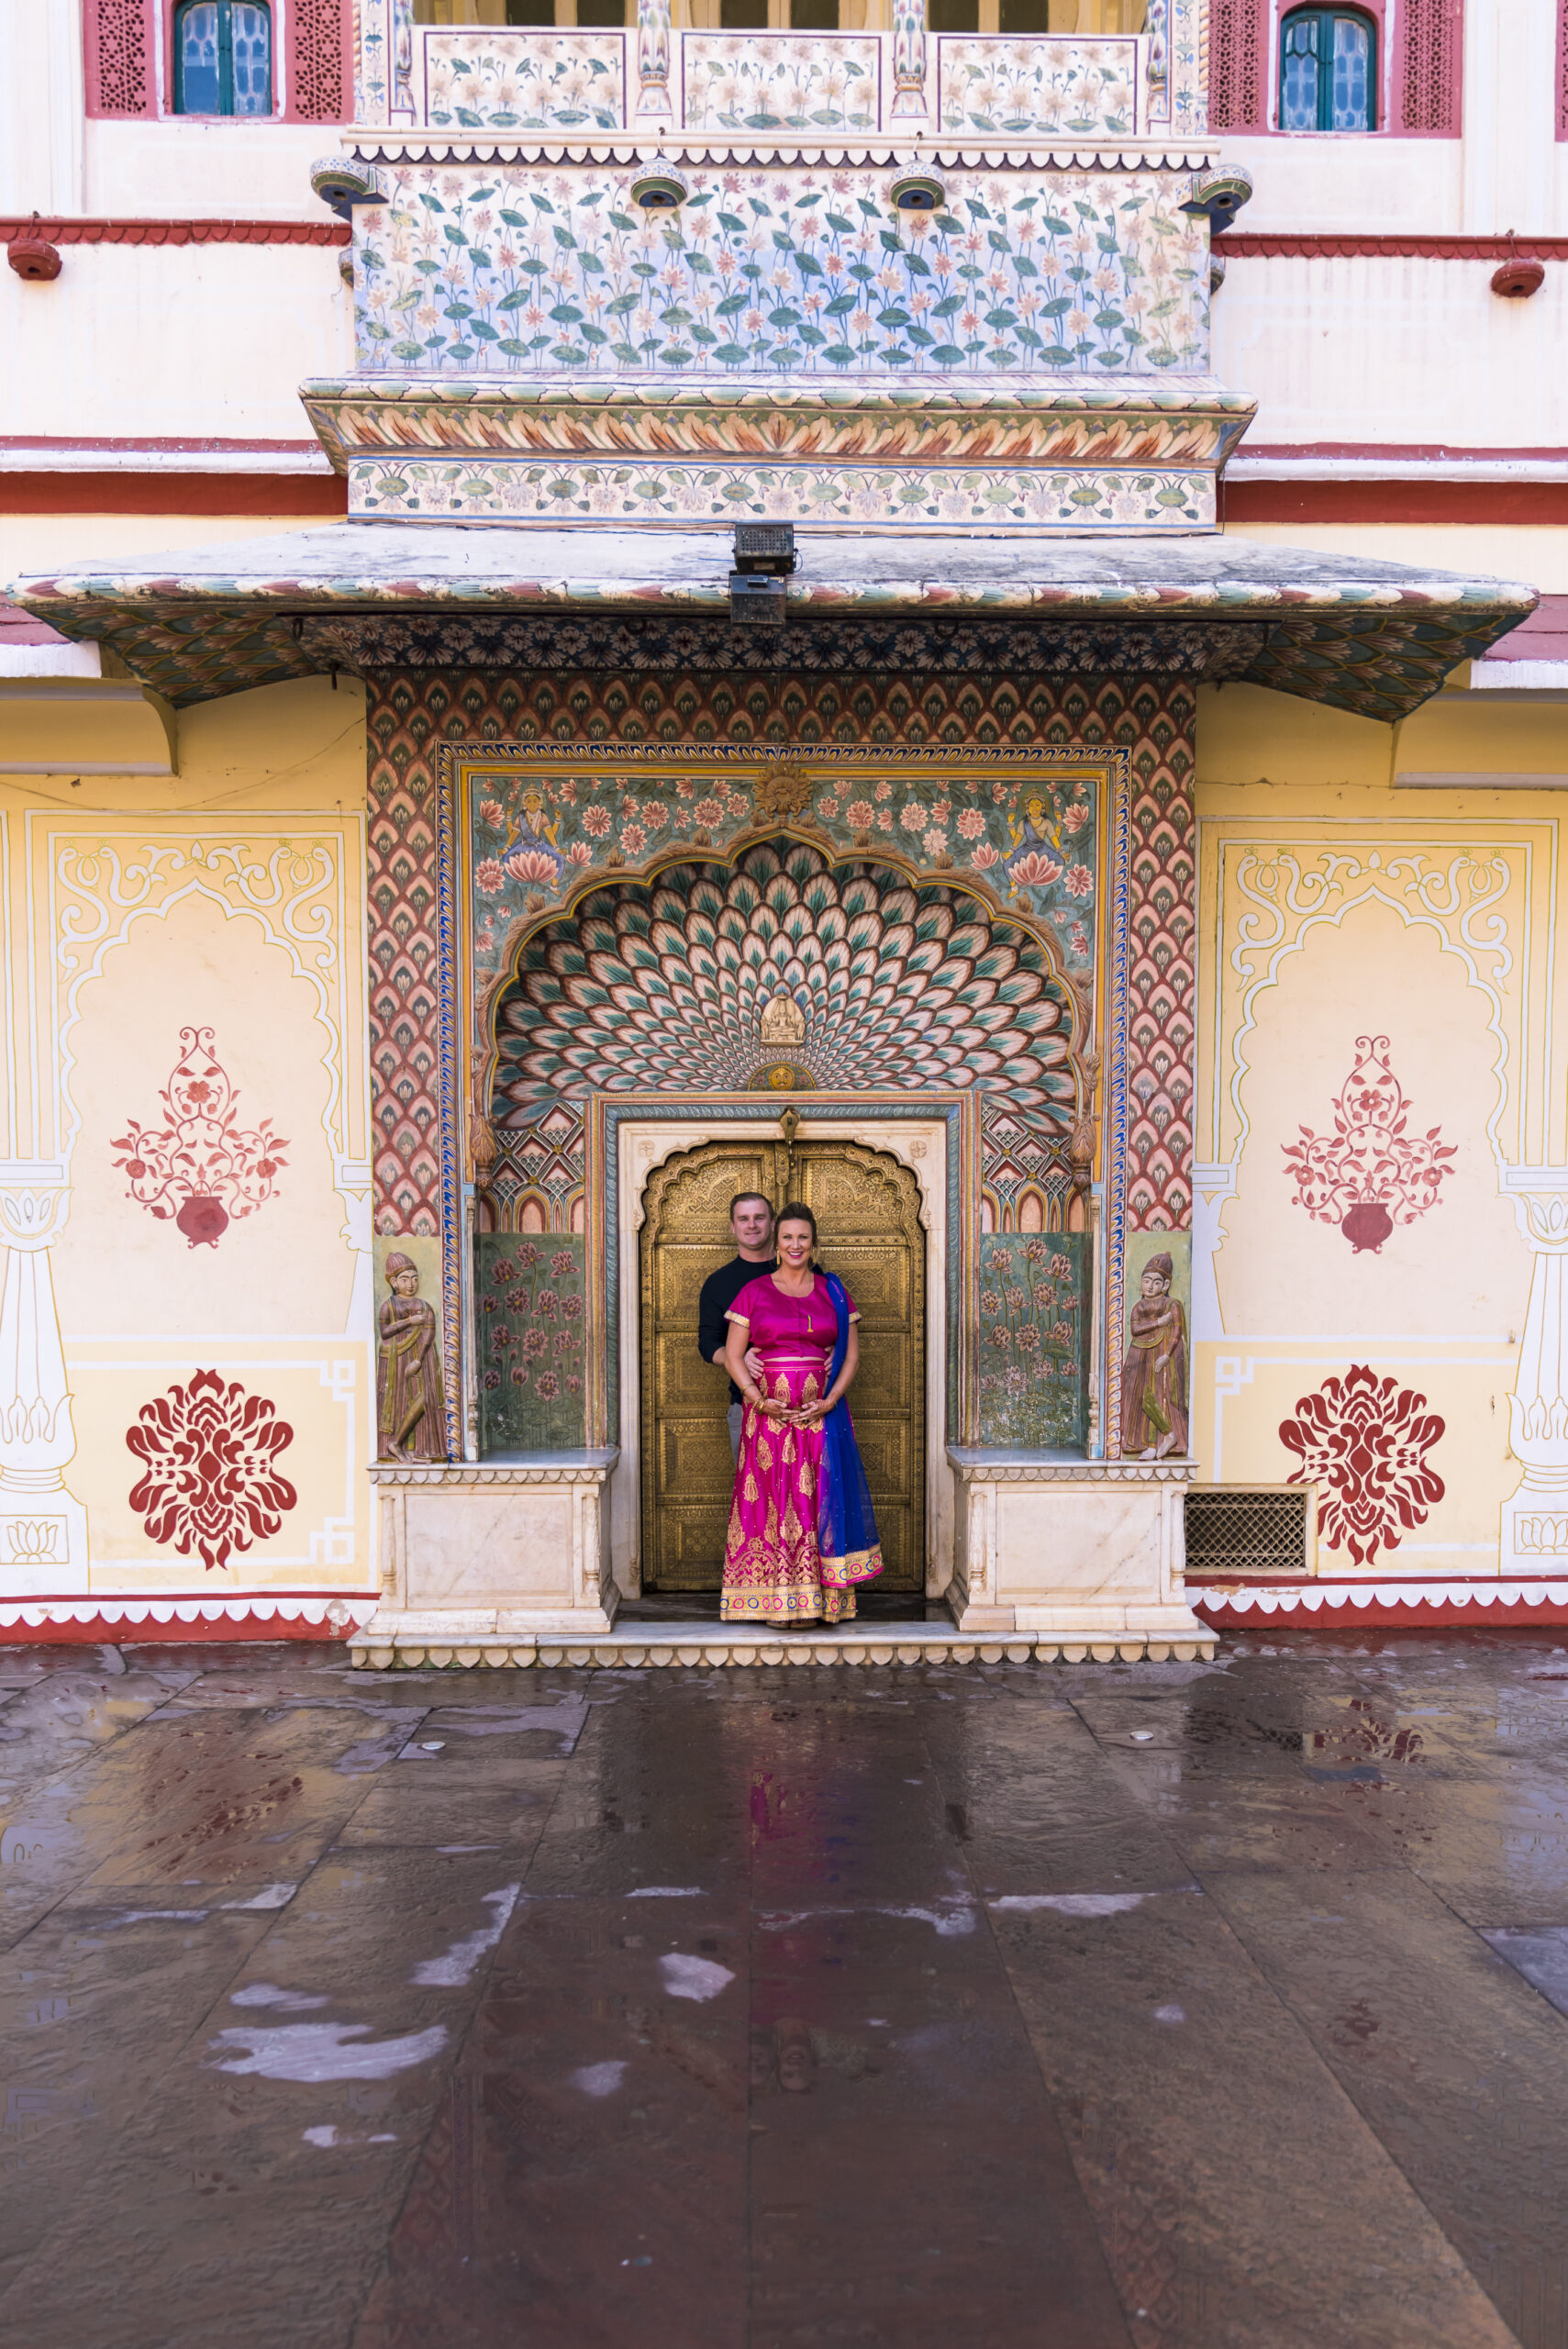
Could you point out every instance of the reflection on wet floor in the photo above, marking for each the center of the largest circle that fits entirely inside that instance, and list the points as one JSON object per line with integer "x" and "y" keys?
{"x": 1188, "y": 2007}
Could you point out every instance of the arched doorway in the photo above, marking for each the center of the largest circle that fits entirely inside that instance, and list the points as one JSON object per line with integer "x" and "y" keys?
{"x": 868, "y": 1210}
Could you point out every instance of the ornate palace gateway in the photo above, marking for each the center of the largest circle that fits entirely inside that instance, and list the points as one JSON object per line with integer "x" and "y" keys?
{"x": 853, "y": 857}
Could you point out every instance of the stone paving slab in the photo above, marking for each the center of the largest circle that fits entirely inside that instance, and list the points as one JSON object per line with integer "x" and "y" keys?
{"x": 1193, "y": 2004}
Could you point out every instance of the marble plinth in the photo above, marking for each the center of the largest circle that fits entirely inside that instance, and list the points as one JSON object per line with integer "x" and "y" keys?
{"x": 1071, "y": 1549}
{"x": 494, "y": 1548}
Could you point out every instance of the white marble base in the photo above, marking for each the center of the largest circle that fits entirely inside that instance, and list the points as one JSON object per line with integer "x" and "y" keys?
{"x": 388, "y": 1643}
{"x": 495, "y": 1548}
{"x": 506, "y": 1562}
{"x": 1069, "y": 1549}
{"x": 43, "y": 1541}
{"x": 1535, "y": 1525}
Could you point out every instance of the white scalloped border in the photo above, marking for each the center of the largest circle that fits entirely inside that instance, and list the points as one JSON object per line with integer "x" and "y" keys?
{"x": 346, "y": 1613}
{"x": 1360, "y": 1596}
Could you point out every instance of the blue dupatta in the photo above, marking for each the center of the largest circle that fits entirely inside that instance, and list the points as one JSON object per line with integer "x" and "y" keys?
{"x": 846, "y": 1526}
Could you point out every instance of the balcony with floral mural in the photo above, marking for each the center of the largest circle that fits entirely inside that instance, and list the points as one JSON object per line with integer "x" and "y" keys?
{"x": 947, "y": 270}
{"x": 801, "y": 68}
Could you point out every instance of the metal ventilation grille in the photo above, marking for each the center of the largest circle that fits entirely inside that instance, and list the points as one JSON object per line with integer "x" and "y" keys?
{"x": 1246, "y": 1533}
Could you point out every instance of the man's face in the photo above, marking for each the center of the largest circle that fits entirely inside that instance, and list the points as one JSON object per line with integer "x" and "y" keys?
{"x": 752, "y": 1224}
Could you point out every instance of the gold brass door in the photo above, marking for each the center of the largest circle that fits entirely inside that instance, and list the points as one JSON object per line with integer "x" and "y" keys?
{"x": 868, "y": 1215}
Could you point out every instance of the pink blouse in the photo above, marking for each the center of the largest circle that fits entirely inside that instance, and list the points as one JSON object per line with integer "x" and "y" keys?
{"x": 781, "y": 1325}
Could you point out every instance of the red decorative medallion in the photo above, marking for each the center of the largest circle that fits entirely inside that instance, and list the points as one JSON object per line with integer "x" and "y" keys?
{"x": 1368, "y": 1175}
{"x": 1364, "y": 1440}
{"x": 212, "y": 1482}
{"x": 202, "y": 1168}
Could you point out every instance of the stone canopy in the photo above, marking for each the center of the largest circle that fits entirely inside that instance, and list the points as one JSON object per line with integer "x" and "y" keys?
{"x": 1372, "y": 637}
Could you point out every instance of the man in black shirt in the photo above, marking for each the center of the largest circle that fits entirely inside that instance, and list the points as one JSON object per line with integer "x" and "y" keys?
{"x": 751, "y": 1221}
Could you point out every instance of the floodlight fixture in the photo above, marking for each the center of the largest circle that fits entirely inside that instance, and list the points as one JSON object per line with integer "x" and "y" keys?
{"x": 764, "y": 557}
{"x": 658, "y": 186}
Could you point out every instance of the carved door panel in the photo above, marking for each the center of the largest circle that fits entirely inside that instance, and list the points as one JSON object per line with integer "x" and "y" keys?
{"x": 867, "y": 1209}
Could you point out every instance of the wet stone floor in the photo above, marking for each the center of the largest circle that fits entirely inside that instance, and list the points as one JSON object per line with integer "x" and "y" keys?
{"x": 1146, "y": 2005}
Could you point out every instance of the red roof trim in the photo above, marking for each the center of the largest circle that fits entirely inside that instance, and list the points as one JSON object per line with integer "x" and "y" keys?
{"x": 1543, "y": 637}
{"x": 17, "y": 627}
{"x": 1248, "y": 244}
{"x": 1531, "y": 502}
{"x": 284, "y": 495}
{"x": 175, "y": 232}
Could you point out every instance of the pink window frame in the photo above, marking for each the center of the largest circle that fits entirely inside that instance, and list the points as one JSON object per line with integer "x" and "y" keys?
{"x": 158, "y": 16}
{"x": 1390, "y": 18}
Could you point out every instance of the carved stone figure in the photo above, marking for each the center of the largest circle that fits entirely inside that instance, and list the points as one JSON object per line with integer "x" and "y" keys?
{"x": 411, "y": 1412}
{"x": 1154, "y": 1375}
{"x": 782, "y": 1021}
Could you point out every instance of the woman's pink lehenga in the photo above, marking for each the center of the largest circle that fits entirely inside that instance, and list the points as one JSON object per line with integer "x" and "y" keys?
{"x": 773, "y": 1572}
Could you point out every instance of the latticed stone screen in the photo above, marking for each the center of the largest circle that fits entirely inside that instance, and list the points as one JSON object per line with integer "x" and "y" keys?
{"x": 120, "y": 57}
{"x": 1232, "y": 1531}
{"x": 318, "y": 80}
{"x": 1238, "y": 64}
{"x": 1427, "y": 89}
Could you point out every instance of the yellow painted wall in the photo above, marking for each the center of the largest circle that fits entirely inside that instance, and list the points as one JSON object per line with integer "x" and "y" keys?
{"x": 1336, "y": 905}
{"x": 227, "y": 896}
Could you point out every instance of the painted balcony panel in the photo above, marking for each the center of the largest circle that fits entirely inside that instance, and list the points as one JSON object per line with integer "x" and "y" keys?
{"x": 476, "y": 79}
{"x": 813, "y": 274}
{"x": 803, "y": 82}
{"x": 1117, "y": 86}
{"x": 1051, "y": 457}
{"x": 1095, "y": 500}
{"x": 1000, "y": 88}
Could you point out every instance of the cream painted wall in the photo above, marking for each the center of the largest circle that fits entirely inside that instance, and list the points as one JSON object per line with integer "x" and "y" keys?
{"x": 158, "y": 341}
{"x": 1388, "y": 351}
{"x": 53, "y": 159}
{"x": 1507, "y": 172}
{"x": 1536, "y": 554}
{"x": 1333, "y": 907}
{"x": 230, "y": 896}
{"x": 1462, "y": 1266}
{"x": 201, "y": 964}
{"x": 1259, "y": 741}
{"x": 168, "y": 169}
{"x": 1412, "y": 351}
{"x": 31, "y": 543}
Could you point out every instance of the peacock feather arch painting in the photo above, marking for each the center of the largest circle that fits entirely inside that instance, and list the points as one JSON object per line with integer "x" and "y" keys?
{"x": 849, "y": 976}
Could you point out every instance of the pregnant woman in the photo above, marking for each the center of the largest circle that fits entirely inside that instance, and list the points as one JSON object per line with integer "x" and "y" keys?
{"x": 801, "y": 1529}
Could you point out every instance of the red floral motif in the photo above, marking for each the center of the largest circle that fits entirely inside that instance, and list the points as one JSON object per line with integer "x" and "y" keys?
{"x": 1368, "y": 1175}
{"x": 211, "y": 1481}
{"x": 203, "y": 1167}
{"x": 1365, "y": 1441}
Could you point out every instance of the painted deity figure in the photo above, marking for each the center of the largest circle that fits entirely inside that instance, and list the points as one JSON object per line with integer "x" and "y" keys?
{"x": 1154, "y": 1375}
{"x": 411, "y": 1412}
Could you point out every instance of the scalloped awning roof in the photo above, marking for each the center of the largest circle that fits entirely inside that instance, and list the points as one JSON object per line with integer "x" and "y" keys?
{"x": 1376, "y": 637}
